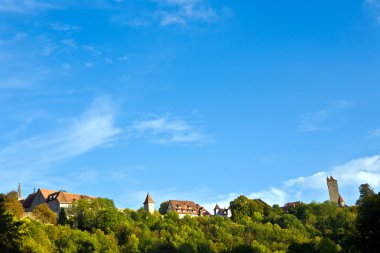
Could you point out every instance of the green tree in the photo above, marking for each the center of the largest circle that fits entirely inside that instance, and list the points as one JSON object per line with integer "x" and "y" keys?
{"x": 243, "y": 207}
{"x": 365, "y": 191}
{"x": 10, "y": 235}
{"x": 164, "y": 208}
{"x": 368, "y": 224}
{"x": 44, "y": 214}
{"x": 99, "y": 213}
{"x": 62, "y": 217}
{"x": 12, "y": 205}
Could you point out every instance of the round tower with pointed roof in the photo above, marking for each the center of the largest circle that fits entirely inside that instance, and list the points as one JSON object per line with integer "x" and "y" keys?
{"x": 149, "y": 204}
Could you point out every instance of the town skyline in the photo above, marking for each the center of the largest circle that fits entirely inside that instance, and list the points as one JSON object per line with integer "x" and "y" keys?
{"x": 31, "y": 200}
{"x": 199, "y": 100}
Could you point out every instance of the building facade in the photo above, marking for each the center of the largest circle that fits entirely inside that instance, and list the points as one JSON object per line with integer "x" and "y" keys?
{"x": 62, "y": 199}
{"x": 224, "y": 212}
{"x": 54, "y": 199}
{"x": 186, "y": 207}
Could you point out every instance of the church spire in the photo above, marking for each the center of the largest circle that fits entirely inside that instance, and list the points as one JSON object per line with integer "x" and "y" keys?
{"x": 19, "y": 196}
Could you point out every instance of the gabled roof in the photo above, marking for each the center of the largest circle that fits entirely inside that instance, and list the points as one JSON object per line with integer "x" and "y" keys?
{"x": 65, "y": 197}
{"x": 187, "y": 207}
{"x": 216, "y": 207}
{"x": 148, "y": 199}
{"x": 340, "y": 199}
{"x": 184, "y": 206}
{"x": 28, "y": 201}
{"x": 46, "y": 192}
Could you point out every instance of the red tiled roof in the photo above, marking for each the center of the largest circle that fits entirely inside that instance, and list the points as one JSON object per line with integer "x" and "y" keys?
{"x": 184, "y": 207}
{"x": 187, "y": 207}
{"x": 46, "y": 192}
{"x": 148, "y": 199}
{"x": 64, "y": 197}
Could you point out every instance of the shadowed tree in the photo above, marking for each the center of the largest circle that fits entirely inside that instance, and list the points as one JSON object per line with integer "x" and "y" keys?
{"x": 365, "y": 191}
{"x": 164, "y": 208}
{"x": 368, "y": 224}
{"x": 62, "y": 217}
{"x": 10, "y": 236}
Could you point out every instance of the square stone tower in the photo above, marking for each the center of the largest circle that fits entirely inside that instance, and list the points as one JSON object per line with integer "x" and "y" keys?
{"x": 332, "y": 185}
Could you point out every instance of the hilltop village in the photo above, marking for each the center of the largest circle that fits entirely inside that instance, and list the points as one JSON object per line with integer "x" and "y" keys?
{"x": 57, "y": 200}
{"x": 59, "y": 221}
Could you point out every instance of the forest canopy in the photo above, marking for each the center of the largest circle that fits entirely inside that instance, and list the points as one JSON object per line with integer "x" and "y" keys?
{"x": 96, "y": 225}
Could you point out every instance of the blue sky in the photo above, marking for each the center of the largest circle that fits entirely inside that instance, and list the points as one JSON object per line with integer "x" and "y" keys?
{"x": 190, "y": 99}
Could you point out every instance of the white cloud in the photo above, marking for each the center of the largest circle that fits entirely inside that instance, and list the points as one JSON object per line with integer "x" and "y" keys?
{"x": 375, "y": 133}
{"x": 64, "y": 27}
{"x": 314, "y": 121}
{"x": 310, "y": 121}
{"x": 271, "y": 196}
{"x": 92, "y": 50}
{"x": 89, "y": 64}
{"x": 350, "y": 176}
{"x": 48, "y": 49}
{"x": 66, "y": 66}
{"x": 69, "y": 43}
{"x": 13, "y": 82}
{"x": 166, "y": 130}
{"x": 169, "y": 19}
{"x": 182, "y": 12}
{"x": 29, "y": 157}
{"x": 123, "y": 58}
{"x": 22, "y": 6}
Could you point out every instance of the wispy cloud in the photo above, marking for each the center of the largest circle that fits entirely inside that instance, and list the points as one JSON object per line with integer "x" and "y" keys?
{"x": 375, "y": 133}
{"x": 374, "y": 8}
{"x": 313, "y": 121}
{"x": 169, "y": 13}
{"x": 33, "y": 155}
{"x": 185, "y": 11}
{"x": 57, "y": 26}
{"x": 350, "y": 176}
{"x": 167, "y": 130}
{"x": 14, "y": 82}
{"x": 22, "y": 6}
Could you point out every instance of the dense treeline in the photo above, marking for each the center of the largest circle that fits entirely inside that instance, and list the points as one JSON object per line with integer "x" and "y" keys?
{"x": 97, "y": 226}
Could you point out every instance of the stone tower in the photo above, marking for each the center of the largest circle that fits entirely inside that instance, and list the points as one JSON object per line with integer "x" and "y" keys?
{"x": 19, "y": 196}
{"x": 332, "y": 185}
{"x": 149, "y": 204}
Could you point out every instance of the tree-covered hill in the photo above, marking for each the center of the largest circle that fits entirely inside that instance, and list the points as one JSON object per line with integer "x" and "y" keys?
{"x": 95, "y": 225}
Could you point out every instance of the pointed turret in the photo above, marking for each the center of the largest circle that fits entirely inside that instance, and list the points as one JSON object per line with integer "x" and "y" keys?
{"x": 341, "y": 201}
{"x": 19, "y": 196}
{"x": 149, "y": 204}
{"x": 216, "y": 209}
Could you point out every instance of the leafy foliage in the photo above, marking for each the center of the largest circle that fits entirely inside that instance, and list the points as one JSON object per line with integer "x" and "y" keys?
{"x": 365, "y": 191}
{"x": 368, "y": 223}
{"x": 10, "y": 204}
{"x": 96, "y": 225}
{"x": 10, "y": 233}
{"x": 44, "y": 214}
